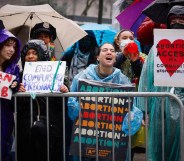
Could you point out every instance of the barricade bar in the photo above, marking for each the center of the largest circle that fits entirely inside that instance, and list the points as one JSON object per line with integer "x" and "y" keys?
{"x": 119, "y": 94}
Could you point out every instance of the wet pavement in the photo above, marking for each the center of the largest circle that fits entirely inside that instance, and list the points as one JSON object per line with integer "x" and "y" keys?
{"x": 139, "y": 157}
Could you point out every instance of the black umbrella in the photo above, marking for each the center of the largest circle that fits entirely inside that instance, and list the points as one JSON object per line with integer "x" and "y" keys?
{"x": 159, "y": 9}
{"x": 1, "y": 24}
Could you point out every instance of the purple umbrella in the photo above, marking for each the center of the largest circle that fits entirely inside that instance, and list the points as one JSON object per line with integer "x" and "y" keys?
{"x": 131, "y": 17}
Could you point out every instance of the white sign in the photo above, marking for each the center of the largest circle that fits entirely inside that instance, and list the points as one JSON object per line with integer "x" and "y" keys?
{"x": 43, "y": 76}
{"x": 169, "y": 57}
{"x": 5, "y": 81}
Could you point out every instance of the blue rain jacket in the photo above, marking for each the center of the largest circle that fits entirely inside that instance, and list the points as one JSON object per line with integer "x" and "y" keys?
{"x": 116, "y": 77}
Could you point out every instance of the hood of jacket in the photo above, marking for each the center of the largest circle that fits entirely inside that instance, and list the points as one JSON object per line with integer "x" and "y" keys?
{"x": 39, "y": 46}
{"x": 175, "y": 10}
{"x": 4, "y": 35}
{"x": 115, "y": 77}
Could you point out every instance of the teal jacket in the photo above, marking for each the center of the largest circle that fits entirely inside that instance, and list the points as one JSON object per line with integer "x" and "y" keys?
{"x": 171, "y": 115}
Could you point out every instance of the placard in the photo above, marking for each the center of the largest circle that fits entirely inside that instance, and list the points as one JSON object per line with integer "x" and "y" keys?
{"x": 105, "y": 124}
{"x": 44, "y": 76}
{"x": 168, "y": 57}
{"x": 5, "y": 81}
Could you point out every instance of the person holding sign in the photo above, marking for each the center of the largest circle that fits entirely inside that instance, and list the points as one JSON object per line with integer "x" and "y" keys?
{"x": 103, "y": 72}
{"x": 175, "y": 20}
{"x": 32, "y": 141}
{"x": 9, "y": 56}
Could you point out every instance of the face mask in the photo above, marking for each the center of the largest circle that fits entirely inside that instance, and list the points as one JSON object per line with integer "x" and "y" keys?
{"x": 125, "y": 42}
{"x": 177, "y": 26}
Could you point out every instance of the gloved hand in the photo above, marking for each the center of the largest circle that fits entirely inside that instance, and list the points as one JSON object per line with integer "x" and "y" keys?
{"x": 131, "y": 51}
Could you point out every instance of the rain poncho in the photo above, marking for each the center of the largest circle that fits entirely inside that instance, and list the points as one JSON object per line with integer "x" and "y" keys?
{"x": 116, "y": 77}
{"x": 90, "y": 74}
{"x": 171, "y": 113}
{"x": 7, "y": 107}
{"x": 171, "y": 116}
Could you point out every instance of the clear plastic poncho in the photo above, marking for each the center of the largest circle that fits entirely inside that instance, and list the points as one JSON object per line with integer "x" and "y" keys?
{"x": 171, "y": 116}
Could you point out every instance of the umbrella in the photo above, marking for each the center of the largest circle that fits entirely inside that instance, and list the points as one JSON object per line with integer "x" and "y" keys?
{"x": 103, "y": 33}
{"x": 1, "y": 25}
{"x": 20, "y": 19}
{"x": 131, "y": 17}
{"x": 159, "y": 9}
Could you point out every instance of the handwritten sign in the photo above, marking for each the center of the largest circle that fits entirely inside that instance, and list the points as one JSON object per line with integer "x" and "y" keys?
{"x": 5, "y": 81}
{"x": 43, "y": 76}
{"x": 104, "y": 123}
{"x": 168, "y": 57}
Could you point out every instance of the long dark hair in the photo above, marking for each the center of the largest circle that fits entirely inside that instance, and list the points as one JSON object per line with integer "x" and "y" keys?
{"x": 8, "y": 62}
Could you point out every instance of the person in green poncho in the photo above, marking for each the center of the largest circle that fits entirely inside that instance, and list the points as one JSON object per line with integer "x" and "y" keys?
{"x": 175, "y": 20}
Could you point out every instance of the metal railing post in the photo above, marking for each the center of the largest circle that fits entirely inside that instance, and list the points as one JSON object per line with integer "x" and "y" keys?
{"x": 119, "y": 94}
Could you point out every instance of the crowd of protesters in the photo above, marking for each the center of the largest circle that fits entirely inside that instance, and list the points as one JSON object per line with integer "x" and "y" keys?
{"x": 120, "y": 63}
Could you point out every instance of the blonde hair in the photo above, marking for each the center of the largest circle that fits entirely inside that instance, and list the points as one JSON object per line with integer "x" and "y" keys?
{"x": 116, "y": 38}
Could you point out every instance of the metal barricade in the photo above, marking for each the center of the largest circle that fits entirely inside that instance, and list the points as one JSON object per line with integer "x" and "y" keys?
{"x": 145, "y": 95}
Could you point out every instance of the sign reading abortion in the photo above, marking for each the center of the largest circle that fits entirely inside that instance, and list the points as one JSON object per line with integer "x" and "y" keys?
{"x": 168, "y": 57}
{"x": 103, "y": 136}
{"x": 43, "y": 76}
{"x": 5, "y": 81}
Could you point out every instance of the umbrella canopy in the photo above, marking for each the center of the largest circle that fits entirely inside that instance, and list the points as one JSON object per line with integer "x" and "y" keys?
{"x": 103, "y": 33}
{"x": 20, "y": 19}
{"x": 131, "y": 17}
{"x": 159, "y": 9}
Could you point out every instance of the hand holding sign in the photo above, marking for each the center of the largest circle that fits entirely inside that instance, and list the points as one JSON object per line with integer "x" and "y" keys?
{"x": 44, "y": 76}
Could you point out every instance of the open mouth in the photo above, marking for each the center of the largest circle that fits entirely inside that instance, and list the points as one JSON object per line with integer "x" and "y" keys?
{"x": 108, "y": 58}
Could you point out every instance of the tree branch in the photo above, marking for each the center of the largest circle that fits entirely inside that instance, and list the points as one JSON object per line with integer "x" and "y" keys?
{"x": 88, "y": 5}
